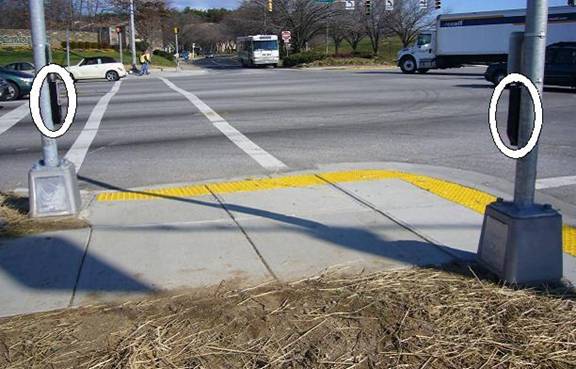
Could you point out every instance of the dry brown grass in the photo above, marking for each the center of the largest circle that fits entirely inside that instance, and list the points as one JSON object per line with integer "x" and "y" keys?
{"x": 419, "y": 318}
{"x": 14, "y": 220}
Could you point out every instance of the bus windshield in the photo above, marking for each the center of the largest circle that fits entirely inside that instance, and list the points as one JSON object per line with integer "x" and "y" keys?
{"x": 266, "y": 45}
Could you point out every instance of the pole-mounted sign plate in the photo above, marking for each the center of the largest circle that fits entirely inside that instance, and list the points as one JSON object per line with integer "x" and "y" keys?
{"x": 286, "y": 36}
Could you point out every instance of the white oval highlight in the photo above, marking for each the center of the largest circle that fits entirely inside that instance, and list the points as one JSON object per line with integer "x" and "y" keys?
{"x": 35, "y": 100}
{"x": 535, "y": 95}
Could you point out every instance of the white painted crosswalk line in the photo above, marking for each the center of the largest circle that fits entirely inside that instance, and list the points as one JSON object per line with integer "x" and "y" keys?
{"x": 555, "y": 182}
{"x": 257, "y": 153}
{"x": 11, "y": 118}
{"x": 79, "y": 149}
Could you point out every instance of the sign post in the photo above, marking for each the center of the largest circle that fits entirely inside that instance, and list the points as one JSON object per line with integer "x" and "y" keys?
{"x": 177, "y": 55}
{"x": 119, "y": 33}
{"x": 52, "y": 182}
{"x": 521, "y": 241}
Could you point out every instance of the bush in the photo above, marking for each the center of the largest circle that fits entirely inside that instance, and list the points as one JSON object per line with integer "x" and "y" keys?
{"x": 302, "y": 58}
{"x": 363, "y": 54}
{"x": 142, "y": 46}
{"x": 164, "y": 54}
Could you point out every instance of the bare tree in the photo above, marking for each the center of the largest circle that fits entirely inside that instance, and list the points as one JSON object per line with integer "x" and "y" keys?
{"x": 304, "y": 18}
{"x": 408, "y": 19}
{"x": 375, "y": 22}
{"x": 353, "y": 26}
{"x": 337, "y": 25}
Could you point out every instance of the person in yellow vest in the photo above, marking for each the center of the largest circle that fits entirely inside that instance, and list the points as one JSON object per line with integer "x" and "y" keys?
{"x": 145, "y": 60}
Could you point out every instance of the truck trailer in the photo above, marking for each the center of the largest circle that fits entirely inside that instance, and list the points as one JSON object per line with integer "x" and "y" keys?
{"x": 478, "y": 38}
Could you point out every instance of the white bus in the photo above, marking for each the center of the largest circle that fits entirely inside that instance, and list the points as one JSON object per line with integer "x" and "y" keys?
{"x": 258, "y": 50}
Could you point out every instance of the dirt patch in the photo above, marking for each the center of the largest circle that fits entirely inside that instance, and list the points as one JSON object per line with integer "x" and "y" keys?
{"x": 419, "y": 318}
{"x": 15, "y": 222}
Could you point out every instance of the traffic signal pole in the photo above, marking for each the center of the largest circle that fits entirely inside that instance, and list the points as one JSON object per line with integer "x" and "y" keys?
{"x": 52, "y": 183}
{"x": 532, "y": 67}
{"x": 39, "y": 46}
{"x": 521, "y": 241}
{"x": 132, "y": 36}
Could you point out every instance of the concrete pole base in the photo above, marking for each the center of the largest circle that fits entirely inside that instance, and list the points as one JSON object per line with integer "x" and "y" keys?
{"x": 53, "y": 190}
{"x": 522, "y": 246}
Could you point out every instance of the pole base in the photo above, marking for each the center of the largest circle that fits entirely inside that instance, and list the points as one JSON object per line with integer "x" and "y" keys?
{"x": 522, "y": 246}
{"x": 53, "y": 190}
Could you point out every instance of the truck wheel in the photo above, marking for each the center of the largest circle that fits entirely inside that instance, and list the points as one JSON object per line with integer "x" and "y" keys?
{"x": 423, "y": 70}
{"x": 408, "y": 65}
{"x": 499, "y": 77}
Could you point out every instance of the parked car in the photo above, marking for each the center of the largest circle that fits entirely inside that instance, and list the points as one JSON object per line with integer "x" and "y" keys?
{"x": 560, "y": 68}
{"x": 98, "y": 67}
{"x": 3, "y": 89}
{"x": 19, "y": 83}
{"x": 22, "y": 67}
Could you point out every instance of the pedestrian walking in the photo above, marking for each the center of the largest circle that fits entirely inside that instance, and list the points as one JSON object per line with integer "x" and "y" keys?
{"x": 145, "y": 60}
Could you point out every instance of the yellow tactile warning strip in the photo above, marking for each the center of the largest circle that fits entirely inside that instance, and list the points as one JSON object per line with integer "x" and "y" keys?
{"x": 465, "y": 196}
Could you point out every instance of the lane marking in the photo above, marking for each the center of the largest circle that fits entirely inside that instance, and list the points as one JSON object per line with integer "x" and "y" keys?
{"x": 12, "y": 117}
{"x": 470, "y": 198}
{"x": 257, "y": 153}
{"x": 555, "y": 182}
{"x": 79, "y": 149}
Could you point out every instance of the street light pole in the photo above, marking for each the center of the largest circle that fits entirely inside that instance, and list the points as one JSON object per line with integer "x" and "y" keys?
{"x": 132, "y": 35}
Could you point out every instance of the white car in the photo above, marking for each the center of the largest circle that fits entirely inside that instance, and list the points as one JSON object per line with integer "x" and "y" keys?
{"x": 98, "y": 67}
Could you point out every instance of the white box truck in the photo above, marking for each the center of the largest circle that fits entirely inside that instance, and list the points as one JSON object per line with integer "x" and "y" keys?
{"x": 478, "y": 38}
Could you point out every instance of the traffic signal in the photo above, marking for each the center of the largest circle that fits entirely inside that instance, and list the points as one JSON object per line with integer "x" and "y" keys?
{"x": 118, "y": 29}
{"x": 270, "y": 6}
{"x": 438, "y": 4}
{"x": 368, "y": 6}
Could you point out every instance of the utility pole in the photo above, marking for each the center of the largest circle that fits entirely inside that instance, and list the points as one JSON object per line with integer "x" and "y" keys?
{"x": 521, "y": 241}
{"x": 53, "y": 186}
{"x": 132, "y": 35}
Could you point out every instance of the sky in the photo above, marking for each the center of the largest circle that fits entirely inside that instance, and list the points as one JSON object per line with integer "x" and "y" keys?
{"x": 454, "y": 6}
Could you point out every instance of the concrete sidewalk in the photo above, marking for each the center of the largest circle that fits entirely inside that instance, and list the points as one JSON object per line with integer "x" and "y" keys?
{"x": 244, "y": 232}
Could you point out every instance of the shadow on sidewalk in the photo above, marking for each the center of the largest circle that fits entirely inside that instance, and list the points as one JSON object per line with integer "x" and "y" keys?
{"x": 404, "y": 251}
{"x": 54, "y": 263}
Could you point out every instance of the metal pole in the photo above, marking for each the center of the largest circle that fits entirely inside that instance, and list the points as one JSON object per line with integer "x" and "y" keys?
{"x": 326, "y": 38}
{"x": 68, "y": 45}
{"x": 533, "y": 68}
{"x": 132, "y": 34}
{"x": 120, "y": 47}
{"x": 177, "y": 55}
{"x": 176, "y": 36}
{"x": 68, "y": 33}
{"x": 39, "y": 45}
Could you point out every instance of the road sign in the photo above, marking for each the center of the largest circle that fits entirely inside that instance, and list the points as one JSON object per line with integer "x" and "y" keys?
{"x": 389, "y": 5}
{"x": 350, "y": 4}
{"x": 286, "y": 36}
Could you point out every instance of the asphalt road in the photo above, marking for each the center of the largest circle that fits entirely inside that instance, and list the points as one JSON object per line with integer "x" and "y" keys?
{"x": 238, "y": 121}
